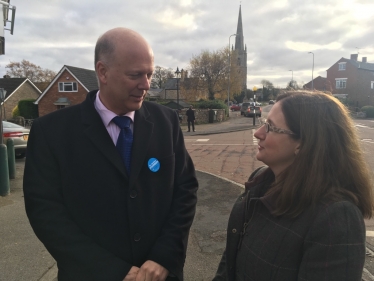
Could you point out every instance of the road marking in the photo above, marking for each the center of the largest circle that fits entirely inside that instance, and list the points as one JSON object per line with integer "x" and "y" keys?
{"x": 225, "y": 144}
{"x": 255, "y": 142}
{"x": 367, "y": 274}
{"x": 202, "y": 140}
{"x": 370, "y": 233}
{"x": 367, "y": 140}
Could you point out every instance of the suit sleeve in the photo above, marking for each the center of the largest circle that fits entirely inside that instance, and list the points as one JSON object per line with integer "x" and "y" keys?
{"x": 170, "y": 248}
{"x": 334, "y": 248}
{"x": 74, "y": 252}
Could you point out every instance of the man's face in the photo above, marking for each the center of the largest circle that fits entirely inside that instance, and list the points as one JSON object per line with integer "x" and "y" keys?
{"x": 127, "y": 79}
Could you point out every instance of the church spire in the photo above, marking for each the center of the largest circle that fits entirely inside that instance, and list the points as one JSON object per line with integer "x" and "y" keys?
{"x": 239, "y": 41}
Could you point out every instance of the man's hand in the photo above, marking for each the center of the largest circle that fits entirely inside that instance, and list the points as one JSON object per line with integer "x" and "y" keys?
{"x": 131, "y": 276}
{"x": 151, "y": 271}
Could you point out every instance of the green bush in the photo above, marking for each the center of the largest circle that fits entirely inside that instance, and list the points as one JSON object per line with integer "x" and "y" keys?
{"x": 212, "y": 104}
{"x": 28, "y": 109}
{"x": 15, "y": 112}
{"x": 369, "y": 110}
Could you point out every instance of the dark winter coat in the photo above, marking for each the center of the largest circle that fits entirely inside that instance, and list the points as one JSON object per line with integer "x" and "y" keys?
{"x": 327, "y": 243}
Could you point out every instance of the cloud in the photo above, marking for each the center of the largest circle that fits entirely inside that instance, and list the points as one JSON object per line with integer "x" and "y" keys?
{"x": 278, "y": 33}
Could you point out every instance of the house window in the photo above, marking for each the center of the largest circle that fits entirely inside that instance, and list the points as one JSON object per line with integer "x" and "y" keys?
{"x": 342, "y": 65}
{"x": 341, "y": 83}
{"x": 67, "y": 87}
{"x": 60, "y": 106}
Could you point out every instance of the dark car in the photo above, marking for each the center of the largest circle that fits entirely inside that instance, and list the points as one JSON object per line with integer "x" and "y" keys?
{"x": 271, "y": 102}
{"x": 248, "y": 109}
{"x": 235, "y": 107}
{"x": 19, "y": 134}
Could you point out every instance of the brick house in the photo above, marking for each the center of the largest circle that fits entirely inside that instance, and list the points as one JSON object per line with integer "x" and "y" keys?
{"x": 17, "y": 89}
{"x": 319, "y": 84}
{"x": 353, "y": 79}
{"x": 69, "y": 87}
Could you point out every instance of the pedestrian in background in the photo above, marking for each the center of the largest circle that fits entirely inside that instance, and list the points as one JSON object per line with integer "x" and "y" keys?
{"x": 109, "y": 187}
{"x": 301, "y": 217}
{"x": 190, "y": 118}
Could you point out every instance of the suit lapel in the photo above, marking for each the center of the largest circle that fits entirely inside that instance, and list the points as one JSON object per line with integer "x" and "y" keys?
{"x": 98, "y": 135}
{"x": 143, "y": 130}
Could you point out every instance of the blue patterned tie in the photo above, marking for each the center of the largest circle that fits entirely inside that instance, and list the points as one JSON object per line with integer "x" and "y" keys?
{"x": 124, "y": 141}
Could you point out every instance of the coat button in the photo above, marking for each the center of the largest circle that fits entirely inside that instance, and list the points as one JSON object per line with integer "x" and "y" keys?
{"x": 234, "y": 230}
{"x": 137, "y": 237}
{"x": 133, "y": 193}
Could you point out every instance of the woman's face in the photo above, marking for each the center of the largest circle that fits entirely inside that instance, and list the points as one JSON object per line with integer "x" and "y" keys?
{"x": 274, "y": 149}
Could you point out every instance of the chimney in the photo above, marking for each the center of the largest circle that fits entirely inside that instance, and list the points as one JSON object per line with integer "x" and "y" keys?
{"x": 354, "y": 57}
{"x": 364, "y": 59}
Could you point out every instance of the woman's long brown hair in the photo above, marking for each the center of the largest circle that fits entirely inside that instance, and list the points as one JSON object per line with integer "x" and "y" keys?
{"x": 330, "y": 164}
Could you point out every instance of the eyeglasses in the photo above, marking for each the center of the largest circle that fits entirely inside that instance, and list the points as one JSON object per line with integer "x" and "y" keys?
{"x": 270, "y": 128}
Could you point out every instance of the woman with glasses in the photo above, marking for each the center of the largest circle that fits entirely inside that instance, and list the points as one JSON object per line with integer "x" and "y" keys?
{"x": 301, "y": 216}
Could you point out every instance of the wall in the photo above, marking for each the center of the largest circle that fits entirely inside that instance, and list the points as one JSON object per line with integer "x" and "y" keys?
{"x": 46, "y": 104}
{"x": 26, "y": 91}
{"x": 202, "y": 116}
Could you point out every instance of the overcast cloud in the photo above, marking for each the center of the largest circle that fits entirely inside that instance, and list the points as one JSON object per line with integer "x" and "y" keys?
{"x": 278, "y": 33}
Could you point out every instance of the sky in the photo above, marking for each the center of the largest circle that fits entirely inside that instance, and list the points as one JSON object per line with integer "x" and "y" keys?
{"x": 279, "y": 34}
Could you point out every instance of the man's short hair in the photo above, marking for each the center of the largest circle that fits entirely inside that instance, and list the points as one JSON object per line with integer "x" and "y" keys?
{"x": 103, "y": 50}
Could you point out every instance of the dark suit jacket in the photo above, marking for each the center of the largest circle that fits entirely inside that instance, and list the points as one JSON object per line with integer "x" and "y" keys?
{"x": 93, "y": 218}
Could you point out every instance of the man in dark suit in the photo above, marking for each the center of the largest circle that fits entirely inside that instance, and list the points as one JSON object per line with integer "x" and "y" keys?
{"x": 98, "y": 219}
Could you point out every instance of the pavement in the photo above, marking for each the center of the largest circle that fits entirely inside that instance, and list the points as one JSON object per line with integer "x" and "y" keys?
{"x": 23, "y": 256}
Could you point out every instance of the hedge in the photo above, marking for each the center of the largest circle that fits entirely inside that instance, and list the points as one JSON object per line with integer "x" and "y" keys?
{"x": 369, "y": 110}
{"x": 28, "y": 109}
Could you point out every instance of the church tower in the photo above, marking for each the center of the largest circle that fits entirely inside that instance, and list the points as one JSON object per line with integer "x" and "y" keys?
{"x": 241, "y": 51}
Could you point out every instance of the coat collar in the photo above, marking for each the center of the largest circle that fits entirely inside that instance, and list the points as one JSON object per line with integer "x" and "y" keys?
{"x": 258, "y": 187}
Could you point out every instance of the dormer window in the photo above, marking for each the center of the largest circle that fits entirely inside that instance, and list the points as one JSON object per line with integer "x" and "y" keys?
{"x": 67, "y": 87}
{"x": 342, "y": 65}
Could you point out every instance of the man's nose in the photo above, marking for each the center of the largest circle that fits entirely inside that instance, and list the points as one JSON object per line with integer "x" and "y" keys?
{"x": 145, "y": 83}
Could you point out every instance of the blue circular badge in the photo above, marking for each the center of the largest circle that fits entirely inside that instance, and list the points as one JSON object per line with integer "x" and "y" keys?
{"x": 154, "y": 165}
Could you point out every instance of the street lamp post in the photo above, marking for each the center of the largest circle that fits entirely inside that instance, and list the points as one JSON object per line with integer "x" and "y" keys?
{"x": 254, "y": 106}
{"x": 228, "y": 87}
{"x": 4, "y": 169}
{"x": 177, "y": 73}
{"x": 2, "y": 98}
{"x": 312, "y": 70}
{"x": 292, "y": 75}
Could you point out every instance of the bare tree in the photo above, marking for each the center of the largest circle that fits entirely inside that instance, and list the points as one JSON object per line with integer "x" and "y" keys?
{"x": 160, "y": 76}
{"x": 211, "y": 70}
{"x": 33, "y": 72}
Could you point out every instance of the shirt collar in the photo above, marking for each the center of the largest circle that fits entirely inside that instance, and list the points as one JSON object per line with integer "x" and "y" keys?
{"x": 106, "y": 114}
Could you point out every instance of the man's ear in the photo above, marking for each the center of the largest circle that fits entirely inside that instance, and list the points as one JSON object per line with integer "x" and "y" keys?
{"x": 297, "y": 149}
{"x": 101, "y": 71}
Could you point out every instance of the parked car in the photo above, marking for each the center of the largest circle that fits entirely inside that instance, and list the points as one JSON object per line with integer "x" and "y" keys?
{"x": 235, "y": 107}
{"x": 271, "y": 102}
{"x": 248, "y": 109}
{"x": 19, "y": 134}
